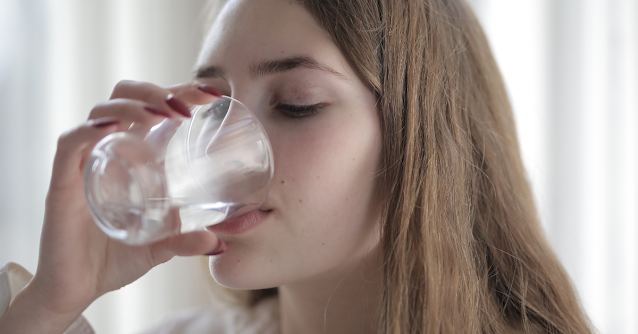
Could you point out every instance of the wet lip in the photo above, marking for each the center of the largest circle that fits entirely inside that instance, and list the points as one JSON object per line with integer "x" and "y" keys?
{"x": 239, "y": 224}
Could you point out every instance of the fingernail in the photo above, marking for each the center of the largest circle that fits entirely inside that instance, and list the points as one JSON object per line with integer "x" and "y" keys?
{"x": 178, "y": 105}
{"x": 155, "y": 110}
{"x": 104, "y": 122}
{"x": 210, "y": 90}
{"x": 220, "y": 248}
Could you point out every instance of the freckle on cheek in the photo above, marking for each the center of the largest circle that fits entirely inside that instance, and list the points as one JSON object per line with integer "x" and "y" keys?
{"x": 237, "y": 261}
{"x": 323, "y": 244}
{"x": 299, "y": 201}
{"x": 283, "y": 182}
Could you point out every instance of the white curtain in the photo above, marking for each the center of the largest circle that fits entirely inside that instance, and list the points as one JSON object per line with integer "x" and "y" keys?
{"x": 57, "y": 59}
{"x": 571, "y": 67}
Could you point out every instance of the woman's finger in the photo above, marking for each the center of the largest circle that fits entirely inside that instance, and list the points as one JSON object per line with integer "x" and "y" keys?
{"x": 131, "y": 111}
{"x": 106, "y": 118}
{"x": 195, "y": 93}
{"x": 177, "y": 98}
{"x": 152, "y": 94}
{"x": 73, "y": 145}
{"x": 187, "y": 244}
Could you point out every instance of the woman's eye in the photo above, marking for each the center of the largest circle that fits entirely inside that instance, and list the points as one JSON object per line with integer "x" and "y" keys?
{"x": 295, "y": 110}
{"x": 217, "y": 110}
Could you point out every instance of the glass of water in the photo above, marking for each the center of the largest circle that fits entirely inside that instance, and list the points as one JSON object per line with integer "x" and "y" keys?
{"x": 144, "y": 185}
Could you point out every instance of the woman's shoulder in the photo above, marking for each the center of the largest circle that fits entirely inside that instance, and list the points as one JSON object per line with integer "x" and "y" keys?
{"x": 263, "y": 318}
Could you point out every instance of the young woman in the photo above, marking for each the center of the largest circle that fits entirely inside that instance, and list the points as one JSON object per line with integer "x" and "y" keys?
{"x": 399, "y": 202}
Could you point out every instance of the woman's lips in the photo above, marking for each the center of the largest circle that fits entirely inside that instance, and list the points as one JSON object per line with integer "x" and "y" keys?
{"x": 239, "y": 224}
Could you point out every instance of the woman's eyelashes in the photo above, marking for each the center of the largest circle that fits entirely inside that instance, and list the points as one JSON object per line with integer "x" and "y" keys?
{"x": 299, "y": 110}
{"x": 217, "y": 110}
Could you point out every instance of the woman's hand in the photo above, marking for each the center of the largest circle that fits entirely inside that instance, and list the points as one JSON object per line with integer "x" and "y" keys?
{"x": 78, "y": 262}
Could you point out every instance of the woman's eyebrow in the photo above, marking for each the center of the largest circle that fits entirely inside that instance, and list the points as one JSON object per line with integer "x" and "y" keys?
{"x": 209, "y": 72}
{"x": 271, "y": 67}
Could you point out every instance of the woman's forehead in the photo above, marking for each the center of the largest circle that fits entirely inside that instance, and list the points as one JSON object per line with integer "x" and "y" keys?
{"x": 250, "y": 32}
{"x": 261, "y": 24}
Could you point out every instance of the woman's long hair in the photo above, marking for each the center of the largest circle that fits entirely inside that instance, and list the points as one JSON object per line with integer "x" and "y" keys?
{"x": 463, "y": 248}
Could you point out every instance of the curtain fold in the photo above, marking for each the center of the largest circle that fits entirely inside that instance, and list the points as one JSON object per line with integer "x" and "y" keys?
{"x": 571, "y": 68}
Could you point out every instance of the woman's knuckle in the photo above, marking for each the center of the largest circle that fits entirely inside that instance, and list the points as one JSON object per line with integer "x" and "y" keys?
{"x": 98, "y": 109}
{"x": 66, "y": 138}
{"x": 122, "y": 87}
{"x": 123, "y": 84}
{"x": 101, "y": 105}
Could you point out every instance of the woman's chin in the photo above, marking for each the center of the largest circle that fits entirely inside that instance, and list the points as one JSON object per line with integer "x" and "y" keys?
{"x": 233, "y": 274}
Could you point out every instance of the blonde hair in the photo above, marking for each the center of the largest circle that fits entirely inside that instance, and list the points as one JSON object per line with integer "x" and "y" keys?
{"x": 463, "y": 249}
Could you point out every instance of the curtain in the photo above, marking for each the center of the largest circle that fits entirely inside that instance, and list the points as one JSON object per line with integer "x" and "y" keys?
{"x": 571, "y": 68}
{"x": 57, "y": 59}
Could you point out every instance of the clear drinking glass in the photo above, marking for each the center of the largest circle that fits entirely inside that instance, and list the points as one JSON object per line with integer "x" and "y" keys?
{"x": 144, "y": 185}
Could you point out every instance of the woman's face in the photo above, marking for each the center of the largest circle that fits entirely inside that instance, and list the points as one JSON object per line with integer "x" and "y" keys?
{"x": 321, "y": 216}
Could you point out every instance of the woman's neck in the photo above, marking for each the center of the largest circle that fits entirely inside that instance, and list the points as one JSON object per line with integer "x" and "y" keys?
{"x": 345, "y": 300}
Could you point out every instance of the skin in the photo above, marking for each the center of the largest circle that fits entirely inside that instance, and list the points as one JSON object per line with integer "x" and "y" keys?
{"x": 317, "y": 242}
{"x": 320, "y": 237}
{"x": 77, "y": 262}
{"x": 322, "y": 209}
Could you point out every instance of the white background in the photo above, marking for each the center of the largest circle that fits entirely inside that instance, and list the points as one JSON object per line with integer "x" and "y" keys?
{"x": 571, "y": 68}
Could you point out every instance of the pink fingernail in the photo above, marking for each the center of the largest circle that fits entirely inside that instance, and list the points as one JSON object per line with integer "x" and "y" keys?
{"x": 210, "y": 90}
{"x": 178, "y": 105}
{"x": 105, "y": 122}
{"x": 220, "y": 248}
{"x": 155, "y": 110}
